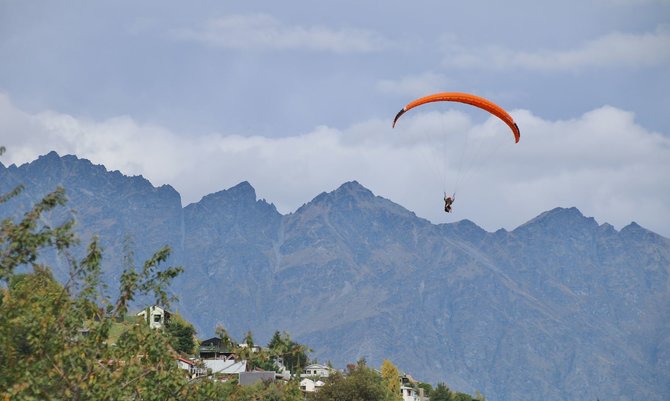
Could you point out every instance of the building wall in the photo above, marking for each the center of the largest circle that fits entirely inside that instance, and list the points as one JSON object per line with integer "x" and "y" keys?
{"x": 251, "y": 378}
{"x": 229, "y": 366}
{"x": 156, "y": 317}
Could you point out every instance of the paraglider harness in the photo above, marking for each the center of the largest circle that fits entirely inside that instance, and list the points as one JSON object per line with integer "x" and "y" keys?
{"x": 448, "y": 200}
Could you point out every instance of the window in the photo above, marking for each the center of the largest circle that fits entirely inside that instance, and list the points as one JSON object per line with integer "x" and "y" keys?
{"x": 157, "y": 318}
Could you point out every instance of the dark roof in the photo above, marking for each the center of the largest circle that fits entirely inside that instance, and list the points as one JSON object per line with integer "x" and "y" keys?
{"x": 214, "y": 341}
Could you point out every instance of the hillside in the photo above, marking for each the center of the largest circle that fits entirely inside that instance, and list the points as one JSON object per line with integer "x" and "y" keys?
{"x": 560, "y": 308}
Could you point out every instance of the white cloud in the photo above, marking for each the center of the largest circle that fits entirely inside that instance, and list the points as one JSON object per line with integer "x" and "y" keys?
{"x": 261, "y": 31}
{"x": 414, "y": 85}
{"x": 603, "y": 162}
{"x": 635, "y": 2}
{"x": 615, "y": 49}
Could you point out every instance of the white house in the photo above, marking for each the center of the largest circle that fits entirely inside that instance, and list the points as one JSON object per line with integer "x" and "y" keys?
{"x": 310, "y": 386}
{"x": 157, "y": 316}
{"x": 317, "y": 370}
{"x": 410, "y": 394}
{"x": 408, "y": 390}
{"x": 191, "y": 367}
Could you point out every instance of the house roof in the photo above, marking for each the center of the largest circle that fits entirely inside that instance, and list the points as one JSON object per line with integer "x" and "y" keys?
{"x": 152, "y": 309}
{"x": 317, "y": 366}
{"x": 216, "y": 341}
{"x": 186, "y": 361}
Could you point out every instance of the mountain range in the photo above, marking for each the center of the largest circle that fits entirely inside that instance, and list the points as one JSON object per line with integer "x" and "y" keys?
{"x": 560, "y": 308}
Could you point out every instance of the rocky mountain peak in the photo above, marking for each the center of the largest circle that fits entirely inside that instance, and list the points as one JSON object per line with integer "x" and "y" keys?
{"x": 634, "y": 231}
{"x": 571, "y": 214}
{"x": 52, "y": 156}
{"x": 464, "y": 229}
{"x": 353, "y": 199}
{"x": 354, "y": 188}
{"x": 351, "y": 191}
{"x": 238, "y": 201}
{"x": 559, "y": 220}
{"x": 241, "y": 194}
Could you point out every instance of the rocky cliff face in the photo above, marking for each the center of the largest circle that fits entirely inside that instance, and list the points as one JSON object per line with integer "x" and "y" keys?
{"x": 103, "y": 203}
{"x": 560, "y": 308}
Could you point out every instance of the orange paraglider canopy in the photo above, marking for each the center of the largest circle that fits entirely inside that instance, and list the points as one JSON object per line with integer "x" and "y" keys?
{"x": 467, "y": 99}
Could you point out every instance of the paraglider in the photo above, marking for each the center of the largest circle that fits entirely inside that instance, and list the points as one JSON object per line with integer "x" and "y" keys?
{"x": 448, "y": 201}
{"x": 466, "y": 98}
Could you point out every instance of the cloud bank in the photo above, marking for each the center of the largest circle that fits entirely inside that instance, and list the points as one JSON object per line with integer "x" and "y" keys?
{"x": 265, "y": 32}
{"x": 414, "y": 85}
{"x": 616, "y": 49}
{"x": 603, "y": 162}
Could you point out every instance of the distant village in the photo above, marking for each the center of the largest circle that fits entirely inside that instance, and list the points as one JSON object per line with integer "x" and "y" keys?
{"x": 213, "y": 360}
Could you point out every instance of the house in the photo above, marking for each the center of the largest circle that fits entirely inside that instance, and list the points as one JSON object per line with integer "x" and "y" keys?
{"x": 409, "y": 390}
{"x": 213, "y": 348}
{"x": 310, "y": 386}
{"x": 410, "y": 393}
{"x": 254, "y": 348}
{"x": 219, "y": 358}
{"x": 191, "y": 367}
{"x": 185, "y": 364}
{"x": 317, "y": 370}
{"x": 311, "y": 377}
{"x": 156, "y": 316}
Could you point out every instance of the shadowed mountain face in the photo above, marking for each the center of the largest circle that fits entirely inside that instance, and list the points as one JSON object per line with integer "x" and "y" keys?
{"x": 560, "y": 308}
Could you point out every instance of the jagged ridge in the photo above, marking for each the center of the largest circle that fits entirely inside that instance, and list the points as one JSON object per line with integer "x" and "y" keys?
{"x": 558, "y": 306}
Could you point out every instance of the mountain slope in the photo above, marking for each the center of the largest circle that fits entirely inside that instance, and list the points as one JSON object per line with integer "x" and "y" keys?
{"x": 560, "y": 308}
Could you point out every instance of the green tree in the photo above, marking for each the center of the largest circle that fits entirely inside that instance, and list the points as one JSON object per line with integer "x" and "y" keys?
{"x": 227, "y": 342}
{"x": 256, "y": 358}
{"x": 359, "y": 384}
{"x": 427, "y": 388}
{"x": 441, "y": 393}
{"x": 293, "y": 354}
{"x": 249, "y": 339}
{"x": 269, "y": 392}
{"x": 54, "y": 338}
{"x": 462, "y": 397}
{"x": 182, "y": 334}
{"x": 278, "y": 342}
{"x": 391, "y": 378}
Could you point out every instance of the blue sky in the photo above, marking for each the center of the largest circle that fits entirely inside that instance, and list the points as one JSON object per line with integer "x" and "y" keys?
{"x": 297, "y": 98}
